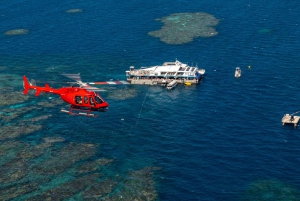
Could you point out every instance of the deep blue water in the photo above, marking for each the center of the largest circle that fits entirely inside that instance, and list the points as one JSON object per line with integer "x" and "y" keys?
{"x": 211, "y": 140}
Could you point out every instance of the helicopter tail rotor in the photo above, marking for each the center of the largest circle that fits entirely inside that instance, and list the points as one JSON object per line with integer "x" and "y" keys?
{"x": 29, "y": 85}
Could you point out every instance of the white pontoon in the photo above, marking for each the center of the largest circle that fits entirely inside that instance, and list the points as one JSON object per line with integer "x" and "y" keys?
{"x": 167, "y": 72}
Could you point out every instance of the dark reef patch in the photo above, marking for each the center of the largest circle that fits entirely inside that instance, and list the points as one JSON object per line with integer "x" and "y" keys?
{"x": 180, "y": 28}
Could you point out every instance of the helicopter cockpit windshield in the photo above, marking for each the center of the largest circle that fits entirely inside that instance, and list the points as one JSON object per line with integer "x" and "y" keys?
{"x": 98, "y": 100}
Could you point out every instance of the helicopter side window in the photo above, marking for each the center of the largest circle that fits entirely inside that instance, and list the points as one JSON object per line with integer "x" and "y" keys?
{"x": 86, "y": 100}
{"x": 92, "y": 101}
{"x": 78, "y": 99}
{"x": 98, "y": 100}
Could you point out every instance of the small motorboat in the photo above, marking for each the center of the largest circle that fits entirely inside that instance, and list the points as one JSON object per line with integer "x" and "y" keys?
{"x": 238, "y": 72}
{"x": 172, "y": 84}
{"x": 187, "y": 83}
{"x": 202, "y": 71}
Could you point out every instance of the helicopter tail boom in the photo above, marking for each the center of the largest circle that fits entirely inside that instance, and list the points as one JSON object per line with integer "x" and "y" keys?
{"x": 46, "y": 89}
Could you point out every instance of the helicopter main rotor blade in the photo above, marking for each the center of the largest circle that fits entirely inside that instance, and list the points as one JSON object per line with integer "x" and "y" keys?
{"x": 52, "y": 81}
{"x": 75, "y": 77}
{"x": 109, "y": 82}
{"x": 83, "y": 85}
{"x": 90, "y": 88}
{"x": 86, "y": 85}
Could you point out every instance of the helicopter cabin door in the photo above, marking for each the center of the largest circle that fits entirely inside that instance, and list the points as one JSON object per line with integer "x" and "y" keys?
{"x": 92, "y": 102}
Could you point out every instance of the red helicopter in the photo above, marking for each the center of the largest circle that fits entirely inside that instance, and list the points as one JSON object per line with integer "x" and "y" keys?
{"x": 81, "y": 98}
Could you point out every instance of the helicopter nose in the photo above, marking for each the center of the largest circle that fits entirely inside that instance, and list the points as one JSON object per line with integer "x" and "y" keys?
{"x": 105, "y": 104}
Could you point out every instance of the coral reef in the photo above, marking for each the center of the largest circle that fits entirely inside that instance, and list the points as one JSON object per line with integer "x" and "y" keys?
{"x": 39, "y": 118}
{"x": 74, "y": 11}
{"x": 6, "y": 146}
{"x": 99, "y": 189}
{"x": 53, "y": 139}
{"x": 180, "y": 28}
{"x": 10, "y": 80}
{"x": 52, "y": 103}
{"x": 10, "y": 192}
{"x": 49, "y": 168}
{"x": 104, "y": 161}
{"x": 10, "y": 114}
{"x": 67, "y": 189}
{"x": 14, "y": 131}
{"x": 15, "y": 32}
{"x": 16, "y": 175}
{"x": 9, "y": 98}
{"x": 92, "y": 166}
{"x": 13, "y": 170}
{"x": 269, "y": 190}
{"x": 33, "y": 151}
{"x": 65, "y": 158}
{"x": 138, "y": 185}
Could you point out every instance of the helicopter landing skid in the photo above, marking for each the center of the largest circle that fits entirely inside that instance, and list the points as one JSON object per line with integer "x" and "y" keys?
{"x": 79, "y": 112}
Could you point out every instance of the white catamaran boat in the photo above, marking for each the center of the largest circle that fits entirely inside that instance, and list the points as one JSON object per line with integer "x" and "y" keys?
{"x": 165, "y": 74}
{"x": 238, "y": 72}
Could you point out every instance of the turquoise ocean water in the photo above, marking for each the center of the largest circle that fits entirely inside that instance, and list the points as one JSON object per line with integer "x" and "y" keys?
{"x": 210, "y": 141}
